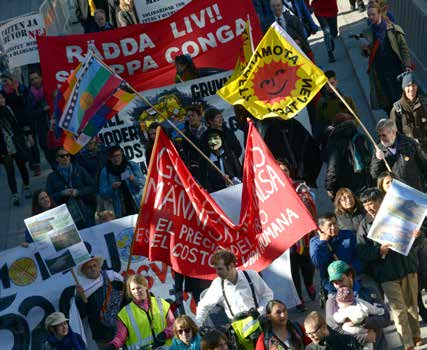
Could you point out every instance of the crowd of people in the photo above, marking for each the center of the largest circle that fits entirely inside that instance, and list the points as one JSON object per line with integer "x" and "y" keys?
{"x": 364, "y": 285}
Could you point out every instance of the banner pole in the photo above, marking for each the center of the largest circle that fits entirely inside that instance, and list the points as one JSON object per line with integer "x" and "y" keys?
{"x": 359, "y": 121}
{"x": 226, "y": 178}
{"x": 78, "y": 283}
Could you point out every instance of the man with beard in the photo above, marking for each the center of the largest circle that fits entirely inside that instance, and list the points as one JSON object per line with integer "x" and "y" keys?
{"x": 404, "y": 155}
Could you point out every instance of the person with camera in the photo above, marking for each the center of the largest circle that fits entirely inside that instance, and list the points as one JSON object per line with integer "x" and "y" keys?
{"x": 146, "y": 322}
{"x": 237, "y": 291}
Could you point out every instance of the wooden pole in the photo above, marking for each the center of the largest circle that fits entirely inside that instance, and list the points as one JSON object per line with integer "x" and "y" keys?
{"x": 226, "y": 178}
{"x": 77, "y": 283}
{"x": 358, "y": 120}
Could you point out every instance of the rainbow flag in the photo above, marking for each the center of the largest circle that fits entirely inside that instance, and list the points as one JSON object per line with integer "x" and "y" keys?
{"x": 90, "y": 97}
{"x": 94, "y": 85}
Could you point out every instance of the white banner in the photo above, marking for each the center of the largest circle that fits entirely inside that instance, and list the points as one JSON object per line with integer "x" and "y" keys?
{"x": 18, "y": 37}
{"x": 29, "y": 292}
{"x": 155, "y": 10}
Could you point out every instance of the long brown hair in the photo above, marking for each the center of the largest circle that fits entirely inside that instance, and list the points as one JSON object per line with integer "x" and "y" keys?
{"x": 339, "y": 210}
{"x": 36, "y": 208}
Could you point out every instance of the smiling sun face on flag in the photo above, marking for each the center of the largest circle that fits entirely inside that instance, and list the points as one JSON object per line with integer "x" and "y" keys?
{"x": 274, "y": 81}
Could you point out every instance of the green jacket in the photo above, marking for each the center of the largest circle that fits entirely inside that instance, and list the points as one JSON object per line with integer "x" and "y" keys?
{"x": 394, "y": 266}
{"x": 396, "y": 36}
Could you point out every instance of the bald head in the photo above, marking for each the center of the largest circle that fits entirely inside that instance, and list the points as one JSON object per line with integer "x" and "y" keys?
{"x": 276, "y": 7}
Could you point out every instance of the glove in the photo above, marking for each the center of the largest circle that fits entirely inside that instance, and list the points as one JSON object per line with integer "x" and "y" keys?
{"x": 160, "y": 340}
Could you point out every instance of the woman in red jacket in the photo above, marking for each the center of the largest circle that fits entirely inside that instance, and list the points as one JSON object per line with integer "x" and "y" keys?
{"x": 326, "y": 12}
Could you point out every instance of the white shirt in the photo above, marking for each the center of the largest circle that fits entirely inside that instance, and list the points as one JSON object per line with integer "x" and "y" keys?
{"x": 90, "y": 286}
{"x": 239, "y": 296}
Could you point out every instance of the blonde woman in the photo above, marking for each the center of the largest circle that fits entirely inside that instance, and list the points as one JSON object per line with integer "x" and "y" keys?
{"x": 127, "y": 13}
{"x": 146, "y": 320}
{"x": 187, "y": 335}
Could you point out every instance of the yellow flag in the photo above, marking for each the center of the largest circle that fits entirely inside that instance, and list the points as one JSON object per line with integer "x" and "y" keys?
{"x": 278, "y": 81}
{"x": 246, "y": 51}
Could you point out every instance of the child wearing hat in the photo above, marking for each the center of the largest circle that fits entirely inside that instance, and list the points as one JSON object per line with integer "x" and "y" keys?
{"x": 352, "y": 312}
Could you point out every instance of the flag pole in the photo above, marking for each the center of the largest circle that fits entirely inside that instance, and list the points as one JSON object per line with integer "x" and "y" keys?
{"x": 84, "y": 298}
{"x": 250, "y": 34}
{"x": 358, "y": 120}
{"x": 226, "y": 178}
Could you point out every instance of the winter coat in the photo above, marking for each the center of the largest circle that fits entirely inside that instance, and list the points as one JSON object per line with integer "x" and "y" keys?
{"x": 106, "y": 191}
{"x": 336, "y": 341}
{"x": 288, "y": 139}
{"x": 411, "y": 118}
{"x": 230, "y": 139}
{"x": 330, "y": 105}
{"x": 18, "y": 137}
{"x": 178, "y": 344}
{"x": 191, "y": 157}
{"x": 394, "y": 266}
{"x": 409, "y": 164}
{"x": 85, "y": 200}
{"x": 343, "y": 246}
{"x": 350, "y": 221}
{"x": 296, "y": 30}
{"x": 349, "y": 155}
{"x": 213, "y": 181}
{"x": 325, "y": 8}
{"x": 396, "y": 36}
{"x": 19, "y": 103}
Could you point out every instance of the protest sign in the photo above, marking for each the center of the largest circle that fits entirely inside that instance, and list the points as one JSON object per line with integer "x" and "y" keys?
{"x": 144, "y": 54}
{"x": 402, "y": 211}
{"x": 18, "y": 37}
{"x": 181, "y": 224}
{"x": 29, "y": 292}
{"x": 151, "y": 11}
{"x": 57, "y": 239}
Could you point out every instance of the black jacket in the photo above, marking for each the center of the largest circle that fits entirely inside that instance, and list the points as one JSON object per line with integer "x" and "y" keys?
{"x": 335, "y": 341}
{"x": 394, "y": 266}
{"x": 9, "y": 119}
{"x": 343, "y": 145}
{"x": 351, "y": 221}
{"x": 409, "y": 164}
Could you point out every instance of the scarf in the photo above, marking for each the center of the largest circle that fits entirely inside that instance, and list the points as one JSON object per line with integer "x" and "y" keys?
{"x": 180, "y": 345}
{"x": 70, "y": 342}
{"x": 198, "y": 132}
{"x": 380, "y": 31}
{"x": 116, "y": 170}
{"x": 38, "y": 94}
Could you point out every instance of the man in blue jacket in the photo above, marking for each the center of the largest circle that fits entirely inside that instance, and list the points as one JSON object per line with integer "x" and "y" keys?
{"x": 332, "y": 244}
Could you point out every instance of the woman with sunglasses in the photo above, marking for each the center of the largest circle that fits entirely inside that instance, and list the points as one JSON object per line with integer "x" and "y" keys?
{"x": 146, "y": 322}
{"x": 280, "y": 333}
{"x": 187, "y": 335}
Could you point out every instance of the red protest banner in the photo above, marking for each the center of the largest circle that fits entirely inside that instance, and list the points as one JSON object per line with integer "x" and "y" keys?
{"x": 143, "y": 54}
{"x": 180, "y": 223}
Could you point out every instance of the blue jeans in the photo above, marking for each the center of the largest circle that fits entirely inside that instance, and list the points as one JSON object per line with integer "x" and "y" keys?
{"x": 330, "y": 31}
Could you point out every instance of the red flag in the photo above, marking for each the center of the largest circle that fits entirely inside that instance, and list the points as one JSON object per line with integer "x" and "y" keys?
{"x": 181, "y": 224}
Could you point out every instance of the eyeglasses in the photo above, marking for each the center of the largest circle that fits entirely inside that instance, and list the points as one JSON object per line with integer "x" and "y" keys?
{"x": 182, "y": 331}
{"x": 63, "y": 155}
{"x": 314, "y": 332}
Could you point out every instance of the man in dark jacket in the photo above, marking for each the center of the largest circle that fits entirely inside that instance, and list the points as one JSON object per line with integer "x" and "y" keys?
{"x": 396, "y": 273}
{"x": 349, "y": 156}
{"x": 404, "y": 155}
{"x": 332, "y": 244}
{"x": 291, "y": 24}
{"x": 342, "y": 275}
{"x": 72, "y": 185}
{"x": 194, "y": 130}
{"x": 410, "y": 112}
{"x": 325, "y": 338}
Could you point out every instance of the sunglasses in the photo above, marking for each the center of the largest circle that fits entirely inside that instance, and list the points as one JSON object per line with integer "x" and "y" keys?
{"x": 63, "y": 155}
{"x": 182, "y": 331}
{"x": 314, "y": 332}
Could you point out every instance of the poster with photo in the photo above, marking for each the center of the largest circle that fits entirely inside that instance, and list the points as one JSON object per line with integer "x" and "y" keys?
{"x": 402, "y": 212}
{"x": 58, "y": 239}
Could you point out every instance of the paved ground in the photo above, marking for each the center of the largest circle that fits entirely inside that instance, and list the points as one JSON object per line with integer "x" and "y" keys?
{"x": 351, "y": 72}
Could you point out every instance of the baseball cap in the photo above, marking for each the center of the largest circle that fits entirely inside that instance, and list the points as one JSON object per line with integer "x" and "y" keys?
{"x": 337, "y": 269}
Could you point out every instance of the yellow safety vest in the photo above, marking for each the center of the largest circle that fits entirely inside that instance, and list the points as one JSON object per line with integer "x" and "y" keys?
{"x": 243, "y": 329}
{"x": 137, "y": 323}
